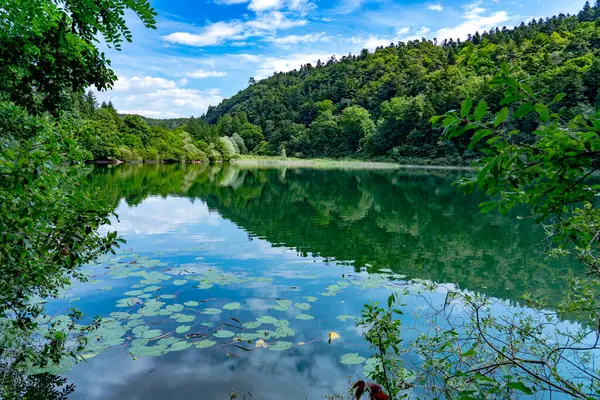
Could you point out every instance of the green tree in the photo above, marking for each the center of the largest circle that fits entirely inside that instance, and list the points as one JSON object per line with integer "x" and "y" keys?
{"x": 47, "y": 51}
{"x": 356, "y": 126}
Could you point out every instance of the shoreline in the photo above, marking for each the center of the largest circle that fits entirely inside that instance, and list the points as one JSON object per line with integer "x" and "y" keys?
{"x": 266, "y": 162}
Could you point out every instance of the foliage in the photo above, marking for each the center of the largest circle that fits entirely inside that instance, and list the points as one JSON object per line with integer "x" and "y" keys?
{"x": 47, "y": 48}
{"x": 401, "y": 86}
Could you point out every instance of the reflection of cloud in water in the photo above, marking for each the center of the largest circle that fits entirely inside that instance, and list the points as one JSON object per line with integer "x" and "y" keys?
{"x": 155, "y": 215}
{"x": 200, "y": 374}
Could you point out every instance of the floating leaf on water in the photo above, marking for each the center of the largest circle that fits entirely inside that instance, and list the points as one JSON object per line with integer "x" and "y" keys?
{"x": 343, "y": 284}
{"x": 148, "y": 351}
{"x": 281, "y": 346}
{"x": 346, "y": 317}
{"x": 174, "y": 308}
{"x": 267, "y": 319}
{"x": 303, "y": 306}
{"x": 119, "y": 315}
{"x": 261, "y": 343}
{"x": 202, "y": 344}
{"x": 183, "y": 328}
{"x": 152, "y": 289}
{"x": 223, "y": 334}
{"x": 191, "y": 304}
{"x": 280, "y": 307}
{"x": 106, "y": 288}
{"x": 209, "y": 324}
{"x": 245, "y": 337}
{"x": 167, "y": 296}
{"x": 232, "y": 306}
{"x": 185, "y": 318}
{"x": 139, "y": 330}
{"x": 89, "y": 355}
{"x": 180, "y": 346}
{"x": 179, "y": 282}
{"x": 311, "y": 299}
{"x": 352, "y": 358}
{"x": 304, "y": 316}
{"x": 332, "y": 288}
{"x": 328, "y": 294}
{"x": 211, "y": 311}
{"x": 133, "y": 323}
{"x": 205, "y": 286}
{"x": 252, "y": 324}
{"x": 152, "y": 333}
{"x": 284, "y": 302}
{"x": 284, "y": 331}
{"x": 134, "y": 293}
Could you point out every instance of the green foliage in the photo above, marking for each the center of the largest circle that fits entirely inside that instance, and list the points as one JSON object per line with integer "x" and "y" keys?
{"x": 401, "y": 86}
{"x": 48, "y": 51}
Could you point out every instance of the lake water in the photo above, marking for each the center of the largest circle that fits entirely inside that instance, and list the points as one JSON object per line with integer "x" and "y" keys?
{"x": 233, "y": 278}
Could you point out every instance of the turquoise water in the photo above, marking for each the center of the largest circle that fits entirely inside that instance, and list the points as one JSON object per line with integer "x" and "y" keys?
{"x": 233, "y": 279}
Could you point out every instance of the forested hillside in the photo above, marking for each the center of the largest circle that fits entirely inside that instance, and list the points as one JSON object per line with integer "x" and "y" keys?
{"x": 378, "y": 105}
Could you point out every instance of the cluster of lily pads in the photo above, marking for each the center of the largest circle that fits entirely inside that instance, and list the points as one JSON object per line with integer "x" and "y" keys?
{"x": 150, "y": 321}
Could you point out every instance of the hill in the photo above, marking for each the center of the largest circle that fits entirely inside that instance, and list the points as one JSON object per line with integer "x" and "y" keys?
{"x": 378, "y": 105}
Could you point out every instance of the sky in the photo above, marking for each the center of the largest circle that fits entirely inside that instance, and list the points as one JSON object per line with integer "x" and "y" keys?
{"x": 206, "y": 50}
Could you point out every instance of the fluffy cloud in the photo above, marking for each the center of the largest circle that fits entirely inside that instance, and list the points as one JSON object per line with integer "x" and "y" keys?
{"x": 295, "y": 39}
{"x": 436, "y": 7}
{"x": 475, "y": 21}
{"x": 201, "y": 74}
{"x": 221, "y": 32}
{"x": 301, "y": 6}
{"x": 159, "y": 98}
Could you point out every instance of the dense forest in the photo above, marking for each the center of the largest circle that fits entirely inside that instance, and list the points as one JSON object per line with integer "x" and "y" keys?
{"x": 378, "y": 105}
{"x": 375, "y": 105}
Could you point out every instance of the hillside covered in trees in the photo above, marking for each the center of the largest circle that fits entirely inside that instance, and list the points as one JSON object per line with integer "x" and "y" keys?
{"x": 378, "y": 105}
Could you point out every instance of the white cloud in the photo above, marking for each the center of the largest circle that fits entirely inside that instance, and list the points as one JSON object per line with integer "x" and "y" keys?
{"x": 295, "y": 39}
{"x": 475, "y": 21}
{"x": 201, "y": 74}
{"x": 300, "y": 6}
{"x": 402, "y": 31}
{"x": 270, "y": 65}
{"x": 436, "y": 7}
{"x": 159, "y": 97}
{"x": 221, "y": 32}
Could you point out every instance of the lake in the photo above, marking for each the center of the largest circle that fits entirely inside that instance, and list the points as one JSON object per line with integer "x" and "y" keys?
{"x": 233, "y": 278}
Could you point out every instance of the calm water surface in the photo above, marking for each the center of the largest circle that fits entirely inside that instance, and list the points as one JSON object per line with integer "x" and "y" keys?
{"x": 233, "y": 278}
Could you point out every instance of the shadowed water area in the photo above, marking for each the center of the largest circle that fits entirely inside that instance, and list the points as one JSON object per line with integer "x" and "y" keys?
{"x": 233, "y": 278}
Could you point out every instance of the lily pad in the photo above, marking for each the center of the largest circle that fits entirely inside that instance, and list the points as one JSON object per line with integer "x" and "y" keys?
{"x": 303, "y": 306}
{"x": 267, "y": 319}
{"x": 179, "y": 282}
{"x": 152, "y": 333}
{"x": 232, "y": 306}
{"x": 211, "y": 311}
{"x": 185, "y": 318}
{"x": 304, "y": 316}
{"x": 281, "y": 346}
{"x": 191, "y": 304}
{"x": 175, "y": 308}
{"x": 167, "y": 296}
{"x": 202, "y": 344}
{"x": 352, "y": 358}
{"x": 183, "y": 328}
{"x": 223, "y": 334}
{"x": 180, "y": 346}
{"x": 346, "y": 317}
{"x": 311, "y": 299}
{"x": 252, "y": 324}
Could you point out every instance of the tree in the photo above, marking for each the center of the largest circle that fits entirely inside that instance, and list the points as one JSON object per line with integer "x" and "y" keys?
{"x": 251, "y": 134}
{"x": 356, "y": 126}
{"x": 588, "y": 14}
{"x": 47, "y": 51}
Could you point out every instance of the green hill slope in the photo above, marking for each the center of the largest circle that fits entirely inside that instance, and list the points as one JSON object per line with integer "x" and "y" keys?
{"x": 378, "y": 105}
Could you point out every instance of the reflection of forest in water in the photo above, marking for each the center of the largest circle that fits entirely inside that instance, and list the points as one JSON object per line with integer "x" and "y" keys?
{"x": 410, "y": 221}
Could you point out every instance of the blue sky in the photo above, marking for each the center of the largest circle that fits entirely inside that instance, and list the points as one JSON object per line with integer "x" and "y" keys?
{"x": 205, "y": 50}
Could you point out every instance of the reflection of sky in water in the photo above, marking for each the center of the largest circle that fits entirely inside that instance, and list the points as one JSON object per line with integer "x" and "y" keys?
{"x": 186, "y": 234}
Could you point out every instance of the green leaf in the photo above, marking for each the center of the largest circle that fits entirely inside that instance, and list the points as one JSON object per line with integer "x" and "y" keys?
{"x": 520, "y": 386}
{"x": 480, "y": 110}
{"x": 231, "y": 306}
{"x": 478, "y": 135}
{"x": 223, "y": 334}
{"x": 352, "y": 359}
{"x": 465, "y": 108}
{"x": 501, "y": 117}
